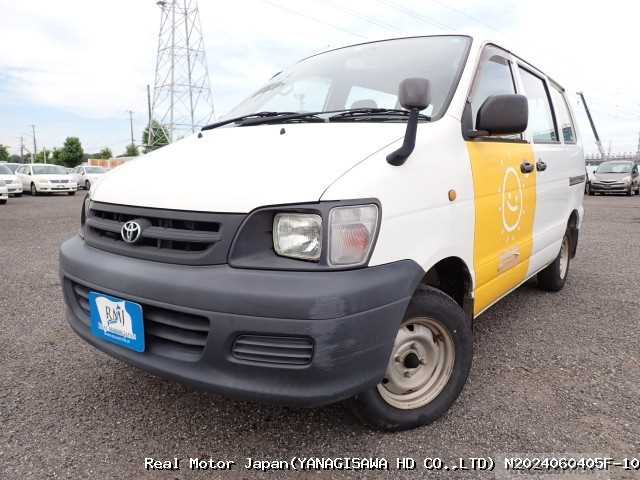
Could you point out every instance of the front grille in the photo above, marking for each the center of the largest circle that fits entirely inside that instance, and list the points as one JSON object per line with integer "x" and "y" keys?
{"x": 167, "y": 333}
{"x": 170, "y": 236}
{"x": 272, "y": 349}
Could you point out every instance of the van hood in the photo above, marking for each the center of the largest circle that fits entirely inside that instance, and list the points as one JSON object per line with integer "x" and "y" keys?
{"x": 237, "y": 169}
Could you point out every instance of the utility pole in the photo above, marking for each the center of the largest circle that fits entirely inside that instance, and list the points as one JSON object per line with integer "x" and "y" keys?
{"x": 149, "y": 134}
{"x": 21, "y": 149}
{"x": 35, "y": 147}
{"x": 593, "y": 126}
{"x": 638, "y": 151}
{"x": 131, "y": 125}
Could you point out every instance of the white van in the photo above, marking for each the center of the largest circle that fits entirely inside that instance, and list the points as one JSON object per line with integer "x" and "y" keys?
{"x": 337, "y": 234}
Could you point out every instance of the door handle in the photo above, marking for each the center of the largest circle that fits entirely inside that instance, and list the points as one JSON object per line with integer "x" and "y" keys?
{"x": 541, "y": 166}
{"x": 526, "y": 167}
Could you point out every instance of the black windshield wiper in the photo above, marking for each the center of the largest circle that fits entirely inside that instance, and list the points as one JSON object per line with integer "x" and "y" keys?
{"x": 283, "y": 117}
{"x": 257, "y": 115}
{"x": 367, "y": 113}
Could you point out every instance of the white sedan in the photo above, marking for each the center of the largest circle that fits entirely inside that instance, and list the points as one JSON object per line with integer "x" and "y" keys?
{"x": 14, "y": 186}
{"x": 87, "y": 175}
{"x": 4, "y": 193}
{"x": 46, "y": 178}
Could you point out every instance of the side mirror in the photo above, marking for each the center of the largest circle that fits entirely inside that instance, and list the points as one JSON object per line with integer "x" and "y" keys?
{"x": 414, "y": 94}
{"x": 502, "y": 115}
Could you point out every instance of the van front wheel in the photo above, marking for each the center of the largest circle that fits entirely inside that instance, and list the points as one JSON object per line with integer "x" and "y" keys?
{"x": 428, "y": 367}
{"x": 553, "y": 278}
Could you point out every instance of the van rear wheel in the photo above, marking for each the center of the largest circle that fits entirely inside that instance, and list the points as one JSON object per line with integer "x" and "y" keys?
{"x": 429, "y": 365}
{"x": 553, "y": 278}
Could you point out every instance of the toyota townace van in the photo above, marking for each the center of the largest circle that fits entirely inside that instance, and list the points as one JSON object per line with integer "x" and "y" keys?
{"x": 337, "y": 233}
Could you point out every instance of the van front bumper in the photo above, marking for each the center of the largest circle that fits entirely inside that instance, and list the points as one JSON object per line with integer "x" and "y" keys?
{"x": 349, "y": 318}
{"x": 609, "y": 187}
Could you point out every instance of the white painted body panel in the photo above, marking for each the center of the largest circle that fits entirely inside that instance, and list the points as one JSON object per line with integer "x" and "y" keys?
{"x": 418, "y": 220}
{"x": 238, "y": 169}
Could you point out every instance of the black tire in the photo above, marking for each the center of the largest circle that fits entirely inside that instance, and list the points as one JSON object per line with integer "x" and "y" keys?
{"x": 552, "y": 279}
{"x": 2, "y": 202}
{"x": 34, "y": 190}
{"x": 71, "y": 194}
{"x": 629, "y": 192}
{"x": 18, "y": 194}
{"x": 591, "y": 193}
{"x": 370, "y": 407}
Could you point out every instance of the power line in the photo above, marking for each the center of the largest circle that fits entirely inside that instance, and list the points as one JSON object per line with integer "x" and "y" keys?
{"x": 465, "y": 14}
{"x": 371, "y": 20}
{"x": 304, "y": 15}
{"x": 415, "y": 15}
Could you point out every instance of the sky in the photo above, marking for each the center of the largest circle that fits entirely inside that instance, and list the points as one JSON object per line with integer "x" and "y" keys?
{"x": 75, "y": 68}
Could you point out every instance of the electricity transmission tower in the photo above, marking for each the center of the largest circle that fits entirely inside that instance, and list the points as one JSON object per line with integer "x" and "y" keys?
{"x": 182, "y": 98}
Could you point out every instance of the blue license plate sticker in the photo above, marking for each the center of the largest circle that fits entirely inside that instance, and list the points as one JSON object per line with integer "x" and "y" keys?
{"x": 117, "y": 321}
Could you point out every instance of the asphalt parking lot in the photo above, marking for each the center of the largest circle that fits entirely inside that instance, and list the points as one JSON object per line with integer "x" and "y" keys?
{"x": 553, "y": 374}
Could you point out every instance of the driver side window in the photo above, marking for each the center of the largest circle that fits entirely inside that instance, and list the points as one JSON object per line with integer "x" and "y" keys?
{"x": 494, "y": 77}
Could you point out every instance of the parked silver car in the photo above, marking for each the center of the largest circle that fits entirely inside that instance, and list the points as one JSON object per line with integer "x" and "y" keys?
{"x": 616, "y": 176}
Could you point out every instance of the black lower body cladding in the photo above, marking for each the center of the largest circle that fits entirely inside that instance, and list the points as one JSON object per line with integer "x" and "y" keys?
{"x": 344, "y": 322}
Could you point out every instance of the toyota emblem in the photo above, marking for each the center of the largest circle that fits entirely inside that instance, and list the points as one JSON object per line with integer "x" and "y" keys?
{"x": 131, "y": 231}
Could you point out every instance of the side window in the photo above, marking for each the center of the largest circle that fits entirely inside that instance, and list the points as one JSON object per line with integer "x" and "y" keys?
{"x": 541, "y": 125}
{"x": 494, "y": 78}
{"x": 563, "y": 117}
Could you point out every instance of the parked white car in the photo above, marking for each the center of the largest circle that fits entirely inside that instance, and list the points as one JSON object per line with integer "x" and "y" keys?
{"x": 87, "y": 175}
{"x": 45, "y": 178}
{"x": 4, "y": 193}
{"x": 13, "y": 184}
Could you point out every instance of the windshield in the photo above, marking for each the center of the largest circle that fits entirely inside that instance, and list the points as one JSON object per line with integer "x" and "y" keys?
{"x": 4, "y": 170}
{"x": 615, "y": 167}
{"x": 364, "y": 76}
{"x": 49, "y": 170}
{"x": 95, "y": 170}
{"x": 12, "y": 166}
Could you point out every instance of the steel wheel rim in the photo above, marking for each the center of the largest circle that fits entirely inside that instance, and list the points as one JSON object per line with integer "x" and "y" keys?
{"x": 420, "y": 366}
{"x": 564, "y": 257}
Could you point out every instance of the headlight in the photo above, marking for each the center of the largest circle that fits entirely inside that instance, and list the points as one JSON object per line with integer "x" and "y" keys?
{"x": 351, "y": 234}
{"x": 2, "y": 183}
{"x": 627, "y": 179}
{"x": 298, "y": 235}
{"x": 320, "y": 236}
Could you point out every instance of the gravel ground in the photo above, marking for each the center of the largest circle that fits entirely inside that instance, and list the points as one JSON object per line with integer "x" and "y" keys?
{"x": 553, "y": 374}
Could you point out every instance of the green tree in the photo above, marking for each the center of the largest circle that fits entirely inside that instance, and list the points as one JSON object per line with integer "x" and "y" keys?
{"x": 132, "y": 151}
{"x": 158, "y": 137}
{"x": 105, "y": 153}
{"x": 71, "y": 153}
{"x": 4, "y": 153}
{"x": 43, "y": 156}
{"x": 56, "y": 156}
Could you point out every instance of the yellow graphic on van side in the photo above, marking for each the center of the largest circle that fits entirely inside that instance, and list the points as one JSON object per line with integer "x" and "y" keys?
{"x": 505, "y": 205}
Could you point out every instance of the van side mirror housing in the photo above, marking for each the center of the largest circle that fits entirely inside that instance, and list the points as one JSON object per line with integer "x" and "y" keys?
{"x": 414, "y": 94}
{"x": 502, "y": 115}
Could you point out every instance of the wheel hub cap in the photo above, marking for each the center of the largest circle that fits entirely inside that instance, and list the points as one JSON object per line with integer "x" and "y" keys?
{"x": 420, "y": 366}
